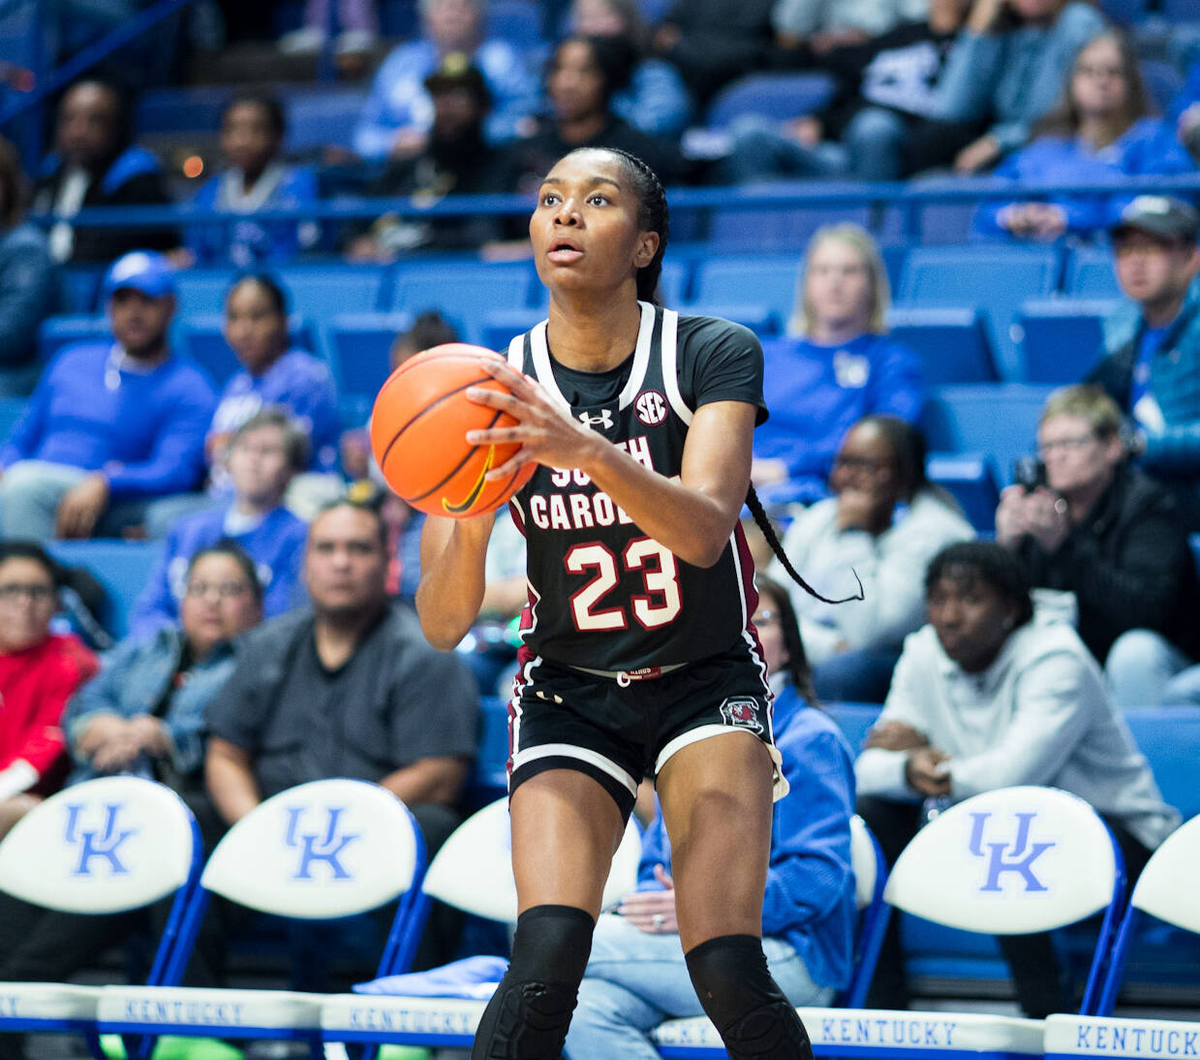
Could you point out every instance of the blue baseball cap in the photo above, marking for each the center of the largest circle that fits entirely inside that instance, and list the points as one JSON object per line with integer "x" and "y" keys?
{"x": 142, "y": 270}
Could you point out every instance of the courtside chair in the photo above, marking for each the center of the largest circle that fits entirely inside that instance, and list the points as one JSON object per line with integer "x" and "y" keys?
{"x": 101, "y": 847}
{"x": 1011, "y": 861}
{"x": 318, "y": 851}
{"x": 1165, "y": 890}
{"x": 472, "y": 872}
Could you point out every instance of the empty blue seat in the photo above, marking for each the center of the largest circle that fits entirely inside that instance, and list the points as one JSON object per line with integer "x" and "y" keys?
{"x": 11, "y": 410}
{"x": 1169, "y": 737}
{"x": 503, "y": 325}
{"x": 57, "y": 333}
{"x": 322, "y": 291}
{"x": 993, "y": 279}
{"x": 999, "y": 420}
{"x": 359, "y": 347}
{"x": 953, "y": 343}
{"x": 761, "y": 319}
{"x": 763, "y": 280}
{"x": 673, "y": 282}
{"x": 202, "y": 290}
{"x": 1061, "y": 339}
{"x": 778, "y": 96}
{"x": 969, "y": 479}
{"x": 1162, "y": 80}
{"x": 774, "y": 228}
{"x": 466, "y": 292}
{"x": 201, "y": 338}
{"x": 1090, "y": 274}
{"x": 122, "y": 567}
{"x": 80, "y": 286}
{"x": 517, "y": 21}
{"x": 322, "y": 118}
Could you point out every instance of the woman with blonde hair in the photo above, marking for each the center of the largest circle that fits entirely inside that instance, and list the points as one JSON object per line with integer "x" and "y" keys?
{"x": 836, "y": 365}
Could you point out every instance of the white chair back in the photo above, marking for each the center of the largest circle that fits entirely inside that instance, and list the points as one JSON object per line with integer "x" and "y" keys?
{"x": 863, "y": 861}
{"x": 1008, "y": 862}
{"x": 473, "y": 869}
{"x": 329, "y": 848}
{"x": 1165, "y": 888}
{"x": 103, "y": 846}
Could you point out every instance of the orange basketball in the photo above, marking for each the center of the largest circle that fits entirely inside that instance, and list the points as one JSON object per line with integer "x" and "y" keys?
{"x": 418, "y": 434}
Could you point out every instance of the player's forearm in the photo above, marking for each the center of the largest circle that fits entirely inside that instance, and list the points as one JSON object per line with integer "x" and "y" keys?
{"x": 452, "y": 577}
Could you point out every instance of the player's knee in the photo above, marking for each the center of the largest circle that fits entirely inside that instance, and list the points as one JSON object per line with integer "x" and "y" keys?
{"x": 529, "y": 1016}
{"x": 754, "y": 1018}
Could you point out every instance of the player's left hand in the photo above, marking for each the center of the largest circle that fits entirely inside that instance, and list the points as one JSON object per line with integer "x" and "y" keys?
{"x": 547, "y": 433}
{"x": 652, "y": 911}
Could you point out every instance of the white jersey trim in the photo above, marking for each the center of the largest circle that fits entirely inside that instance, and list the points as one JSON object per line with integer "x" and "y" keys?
{"x": 580, "y": 754}
{"x": 703, "y": 732}
{"x": 516, "y": 352}
{"x": 670, "y": 365}
{"x": 641, "y": 357}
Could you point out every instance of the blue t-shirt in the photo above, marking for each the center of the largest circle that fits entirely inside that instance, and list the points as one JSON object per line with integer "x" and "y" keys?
{"x": 1147, "y": 347}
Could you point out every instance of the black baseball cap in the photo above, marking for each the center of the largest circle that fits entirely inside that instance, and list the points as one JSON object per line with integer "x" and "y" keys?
{"x": 1161, "y": 216}
{"x": 456, "y": 72}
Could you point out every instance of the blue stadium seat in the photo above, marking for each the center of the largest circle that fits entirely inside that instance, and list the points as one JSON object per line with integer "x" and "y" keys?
{"x": 517, "y": 21}
{"x": 673, "y": 283}
{"x": 1061, "y": 339}
{"x": 11, "y": 410}
{"x": 201, "y": 338}
{"x": 774, "y": 228}
{"x": 501, "y": 326}
{"x": 994, "y": 279}
{"x": 80, "y": 287}
{"x": 398, "y": 18}
{"x": 1090, "y": 274}
{"x": 359, "y": 347}
{"x": 764, "y": 321}
{"x": 322, "y": 118}
{"x": 57, "y": 333}
{"x": 466, "y": 292}
{"x": 1180, "y": 10}
{"x": 322, "y": 291}
{"x": 120, "y": 566}
{"x": 762, "y": 280}
{"x": 946, "y": 223}
{"x": 1124, "y": 12}
{"x": 202, "y": 290}
{"x": 1162, "y": 81}
{"x": 969, "y": 479}
{"x": 779, "y": 96}
{"x": 999, "y": 420}
{"x": 489, "y": 773}
{"x": 953, "y": 343}
{"x": 894, "y": 256}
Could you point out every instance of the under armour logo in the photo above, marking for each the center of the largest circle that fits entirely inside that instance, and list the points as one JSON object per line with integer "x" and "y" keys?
{"x": 325, "y": 845}
{"x": 104, "y": 842}
{"x": 603, "y": 419}
{"x": 1019, "y": 858}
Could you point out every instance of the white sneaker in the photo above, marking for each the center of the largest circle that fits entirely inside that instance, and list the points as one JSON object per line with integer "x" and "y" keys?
{"x": 304, "y": 41}
{"x": 355, "y": 42}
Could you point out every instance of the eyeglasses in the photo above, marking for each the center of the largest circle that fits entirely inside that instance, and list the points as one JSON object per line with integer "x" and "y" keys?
{"x": 861, "y": 463}
{"x": 35, "y": 594}
{"x": 763, "y": 618}
{"x": 225, "y": 590}
{"x": 1070, "y": 445}
{"x": 1090, "y": 70}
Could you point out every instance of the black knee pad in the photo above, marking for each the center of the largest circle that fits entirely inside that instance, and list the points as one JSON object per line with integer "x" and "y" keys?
{"x": 752, "y": 1015}
{"x": 528, "y": 1017}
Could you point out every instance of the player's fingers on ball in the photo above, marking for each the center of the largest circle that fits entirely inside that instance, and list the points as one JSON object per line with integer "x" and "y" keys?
{"x": 508, "y": 468}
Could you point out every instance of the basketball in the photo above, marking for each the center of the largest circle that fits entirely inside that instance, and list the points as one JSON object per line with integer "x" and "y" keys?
{"x": 418, "y": 434}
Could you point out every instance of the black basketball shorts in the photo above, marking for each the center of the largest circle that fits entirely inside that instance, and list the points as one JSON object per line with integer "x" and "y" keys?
{"x": 620, "y": 730}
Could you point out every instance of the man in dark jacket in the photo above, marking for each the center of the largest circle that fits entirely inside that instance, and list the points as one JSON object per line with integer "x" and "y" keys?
{"x": 94, "y": 164}
{"x": 1106, "y": 533}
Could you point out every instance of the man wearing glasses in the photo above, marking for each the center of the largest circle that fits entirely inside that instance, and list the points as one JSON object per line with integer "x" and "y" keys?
{"x": 1091, "y": 525}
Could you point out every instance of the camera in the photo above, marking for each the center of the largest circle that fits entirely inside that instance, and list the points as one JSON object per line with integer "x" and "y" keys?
{"x": 1029, "y": 473}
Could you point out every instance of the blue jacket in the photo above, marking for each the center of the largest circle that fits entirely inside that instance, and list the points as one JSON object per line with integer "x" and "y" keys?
{"x": 1189, "y": 94}
{"x": 1013, "y": 77}
{"x": 817, "y": 393}
{"x": 1148, "y": 147}
{"x": 297, "y": 382}
{"x": 810, "y": 882}
{"x": 146, "y": 433}
{"x": 245, "y": 242}
{"x": 276, "y": 545}
{"x": 399, "y": 100}
{"x": 1174, "y": 382}
{"x": 656, "y": 100}
{"x": 28, "y": 292}
{"x": 133, "y": 679}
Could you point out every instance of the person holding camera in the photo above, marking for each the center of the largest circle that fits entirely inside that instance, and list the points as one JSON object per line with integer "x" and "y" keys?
{"x": 1088, "y": 523}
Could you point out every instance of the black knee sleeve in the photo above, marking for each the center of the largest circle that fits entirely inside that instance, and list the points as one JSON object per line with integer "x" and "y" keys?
{"x": 528, "y": 1016}
{"x": 752, "y": 1015}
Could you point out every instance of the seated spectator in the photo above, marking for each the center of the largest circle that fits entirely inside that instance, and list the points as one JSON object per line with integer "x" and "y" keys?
{"x": 266, "y": 451}
{"x": 111, "y": 427}
{"x": 256, "y": 179}
{"x": 837, "y": 366}
{"x": 636, "y": 976}
{"x": 145, "y": 715}
{"x": 1103, "y": 531}
{"x": 1008, "y": 66}
{"x": 713, "y": 42}
{"x": 822, "y": 25}
{"x": 456, "y": 161}
{"x": 1099, "y": 134}
{"x": 989, "y": 695}
{"x": 28, "y": 281}
{"x": 39, "y": 672}
{"x": 95, "y": 163}
{"x": 655, "y": 101}
{"x": 1152, "y": 343}
{"x": 582, "y": 77}
{"x": 1184, "y": 114}
{"x": 885, "y": 522}
{"x": 877, "y": 126}
{"x": 398, "y": 114}
{"x": 348, "y": 687}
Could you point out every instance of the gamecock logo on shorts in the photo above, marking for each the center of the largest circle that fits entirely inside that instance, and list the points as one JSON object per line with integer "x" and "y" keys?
{"x": 651, "y": 408}
{"x": 742, "y": 712}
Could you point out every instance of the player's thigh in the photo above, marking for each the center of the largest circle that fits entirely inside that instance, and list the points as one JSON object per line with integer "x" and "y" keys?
{"x": 565, "y": 829}
{"x": 716, "y": 797}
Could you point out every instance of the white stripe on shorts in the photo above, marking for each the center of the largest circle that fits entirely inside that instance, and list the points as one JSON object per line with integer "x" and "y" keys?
{"x": 703, "y": 732}
{"x": 582, "y": 754}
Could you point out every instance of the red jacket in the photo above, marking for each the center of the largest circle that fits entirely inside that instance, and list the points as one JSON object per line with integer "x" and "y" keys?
{"x": 35, "y": 685}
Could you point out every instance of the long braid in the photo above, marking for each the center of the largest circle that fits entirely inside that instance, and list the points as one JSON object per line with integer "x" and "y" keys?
{"x": 764, "y": 524}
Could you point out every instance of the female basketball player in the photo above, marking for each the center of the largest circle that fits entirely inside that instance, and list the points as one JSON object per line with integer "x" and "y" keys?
{"x": 639, "y": 655}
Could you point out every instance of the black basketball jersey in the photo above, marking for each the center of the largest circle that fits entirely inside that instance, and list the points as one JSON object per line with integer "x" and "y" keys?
{"x": 602, "y": 594}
